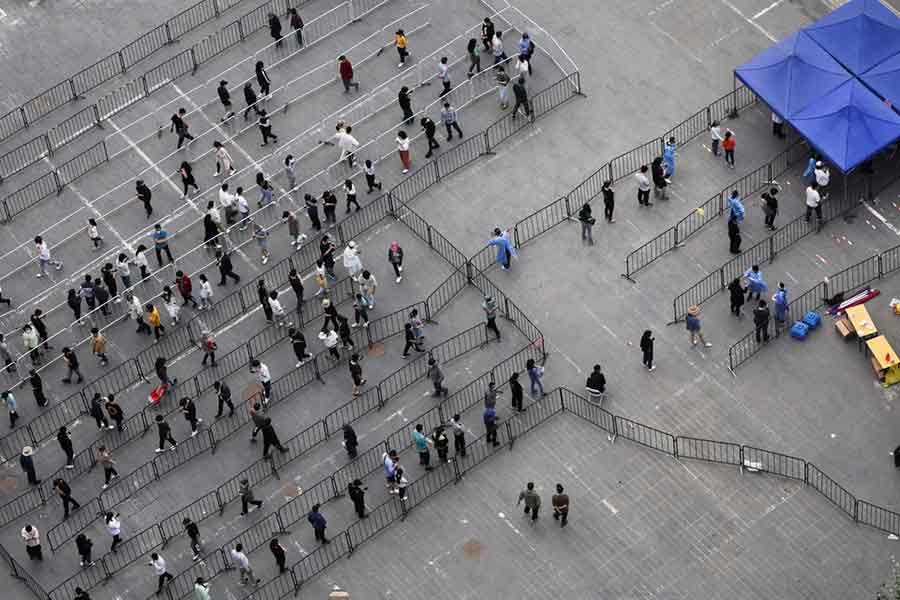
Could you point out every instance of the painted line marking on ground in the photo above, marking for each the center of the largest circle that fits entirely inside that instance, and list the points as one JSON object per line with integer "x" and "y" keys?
{"x": 882, "y": 218}
{"x": 767, "y": 9}
{"x": 749, "y": 21}
{"x": 611, "y": 508}
{"x": 678, "y": 44}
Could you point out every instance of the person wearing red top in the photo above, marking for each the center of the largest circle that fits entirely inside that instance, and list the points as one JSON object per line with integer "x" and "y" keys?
{"x": 728, "y": 145}
{"x": 346, "y": 70}
{"x": 185, "y": 287}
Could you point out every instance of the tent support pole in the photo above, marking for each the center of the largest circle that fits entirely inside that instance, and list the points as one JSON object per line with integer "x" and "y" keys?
{"x": 734, "y": 111}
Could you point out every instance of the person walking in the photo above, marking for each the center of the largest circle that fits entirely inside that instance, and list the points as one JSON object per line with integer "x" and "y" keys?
{"x": 814, "y": 203}
{"x": 114, "y": 410}
{"x": 761, "y": 316}
{"x": 206, "y": 292}
{"x": 715, "y": 137}
{"x": 532, "y": 501}
{"x": 224, "y": 162}
{"x": 770, "y": 207}
{"x": 275, "y": 29}
{"x": 251, "y": 100}
{"x": 489, "y": 306}
{"x": 521, "y": 95}
{"x": 265, "y": 128}
{"x": 164, "y": 432}
{"x": 201, "y": 589}
{"x": 9, "y": 365}
{"x": 96, "y": 411}
{"x": 487, "y": 33}
{"x": 32, "y": 344}
{"x": 436, "y": 376}
{"x": 535, "y": 376}
{"x": 490, "y": 395}
{"x": 505, "y": 249}
{"x": 422, "y": 443}
{"x": 526, "y": 49}
{"x": 32, "y": 538}
{"x": 404, "y": 100}
{"x": 360, "y": 312}
{"x": 560, "y": 502}
{"x": 402, "y": 142}
{"x": 209, "y": 346}
{"x": 145, "y": 195}
{"x": 459, "y": 435}
{"x": 262, "y": 78}
{"x": 350, "y": 191}
{"x": 297, "y": 25}
{"x": 357, "y": 493}
{"x": 37, "y": 321}
{"x": 94, "y": 234}
{"x": 395, "y": 258}
{"x": 490, "y": 426}
{"x": 367, "y": 287}
{"x": 356, "y": 374}
{"x": 502, "y": 79}
{"x": 158, "y": 564}
{"x": 65, "y": 494}
{"x": 430, "y": 130}
{"x": 239, "y": 558}
{"x": 351, "y": 260}
{"x": 263, "y": 378}
{"x": 104, "y": 457}
{"x": 226, "y": 268}
{"x": 523, "y": 66}
{"x": 401, "y": 43}
{"x": 669, "y": 155}
{"x": 647, "y": 349}
{"x": 189, "y": 409}
{"x": 279, "y": 553}
{"x": 247, "y": 497}
{"x": 26, "y": 461}
{"x": 225, "y": 99}
{"x": 187, "y": 179}
{"x": 371, "y": 181}
{"x": 474, "y": 53}
{"x": 42, "y": 250}
{"x": 728, "y": 144}
{"x": 497, "y": 48}
{"x": 517, "y": 392}
{"x": 736, "y": 209}
{"x": 351, "y": 442}
{"x": 318, "y": 522}
{"x": 113, "y": 524}
{"x": 11, "y": 406}
{"x": 756, "y": 285}
{"x": 587, "y": 223}
{"x": 329, "y": 207}
{"x": 136, "y": 312}
{"x": 734, "y": 236}
{"x": 296, "y": 283}
{"x": 270, "y": 438}
{"x": 345, "y": 70}
{"x": 84, "y": 545}
{"x": 643, "y": 183}
{"x": 609, "y": 200}
{"x": 410, "y": 339}
{"x": 298, "y": 343}
{"x": 736, "y": 293}
{"x": 181, "y": 128}
{"x": 73, "y": 367}
{"x": 444, "y": 75}
{"x": 154, "y": 320}
{"x": 692, "y": 323}
{"x": 596, "y": 382}
{"x": 660, "y": 183}
{"x": 418, "y": 326}
{"x": 185, "y": 288}
{"x": 223, "y": 397}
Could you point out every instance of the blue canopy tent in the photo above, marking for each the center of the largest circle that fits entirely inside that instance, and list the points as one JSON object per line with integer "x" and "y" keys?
{"x": 884, "y": 79}
{"x": 848, "y": 125}
{"x": 791, "y": 74}
{"x": 859, "y": 34}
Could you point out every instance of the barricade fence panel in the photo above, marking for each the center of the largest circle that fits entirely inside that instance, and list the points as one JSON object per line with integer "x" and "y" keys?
{"x": 144, "y": 46}
{"x": 878, "y": 517}
{"x": 130, "y": 483}
{"x": 854, "y": 277}
{"x": 48, "y": 101}
{"x": 645, "y": 436}
{"x": 98, "y": 73}
{"x": 121, "y": 98}
{"x": 401, "y": 439}
{"x": 444, "y": 294}
{"x": 196, "y": 511}
{"x": 55, "y": 417}
{"x": 630, "y": 162}
{"x": 890, "y": 261}
{"x": 709, "y": 450}
{"x": 279, "y": 587}
{"x": 588, "y": 411}
{"x": 296, "y": 509}
{"x": 650, "y": 251}
{"x": 27, "y": 196}
{"x": 700, "y": 292}
{"x": 78, "y": 520}
{"x": 321, "y": 558}
{"x": 207, "y": 567}
{"x": 541, "y": 221}
{"x": 380, "y": 517}
{"x": 256, "y": 535}
{"x": 193, "y": 17}
{"x": 82, "y": 121}
{"x": 361, "y": 466}
{"x": 172, "y": 69}
{"x": 775, "y": 463}
{"x": 215, "y": 44}
{"x": 829, "y": 488}
{"x": 691, "y": 127}
{"x": 20, "y": 157}
{"x": 85, "y": 579}
{"x": 12, "y": 122}
{"x": 538, "y": 412}
{"x": 81, "y": 164}
{"x": 20, "y": 506}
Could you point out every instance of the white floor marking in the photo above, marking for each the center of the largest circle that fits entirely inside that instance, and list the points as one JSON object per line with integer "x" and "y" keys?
{"x": 672, "y": 39}
{"x": 748, "y": 20}
{"x": 611, "y": 508}
{"x": 767, "y": 9}
{"x": 144, "y": 156}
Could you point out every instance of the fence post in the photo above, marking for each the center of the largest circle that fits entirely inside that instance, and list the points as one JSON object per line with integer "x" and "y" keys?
{"x": 98, "y": 124}
{"x": 708, "y": 116}
{"x": 106, "y": 573}
{"x": 84, "y": 401}
{"x": 675, "y": 446}
{"x": 392, "y": 210}
{"x": 562, "y": 400}
{"x": 212, "y": 441}
{"x": 487, "y": 141}
{"x": 334, "y": 487}
{"x": 380, "y": 397}
{"x": 169, "y": 39}
{"x": 674, "y": 239}
{"x": 24, "y": 116}
{"x": 155, "y": 475}
{"x": 771, "y": 248}
{"x": 6, "y": 210}
{"x": 57, "y": 181}
{"x": 880, "y": 267}
{"x": 456, "y": 471}
{"x": 722, "y": 278}
{"x": 509, "y": 435}
{"x": 72, "y": 89}
{"x": 437, "y": 171}
{"x": 216, "y": 8}
{"x": 469, "y": 267}
{"x": 220, "y": 503}
{"x": 47, "y": 145}
{"x": 516, "y": 235}
{"x": 806, "y": 472}
{"x": 281, "y": 528}
{"x": 41, "y": 494}
{"x": 855, "y": 510}
{"x": 144, "y": 421}
{"x": 272, "y": 466}
{"x": 430, "y": 245}
{"x": 194, "y": 61}
{"x": 568, "y": 207}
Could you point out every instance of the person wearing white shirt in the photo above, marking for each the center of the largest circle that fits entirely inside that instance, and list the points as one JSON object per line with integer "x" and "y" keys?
{"x": 32, "y": 538}
{"x": 123, "y": 268}
{"x": 643, "y": 186}
{"x": 278, "y": 310}
{"x": 214, "y": 214}
{"x": 444, "y": 76}
{"x": 347, "y": 143}
{"x": 206, "y": 292}
{"x": 823, "y": 178}
{"x": 227, "y": 201}
{"x": 159, "y": 569}
{"x": 331, "y": 339}
{"x": 243, "y": 208}
{"x": 402, "y": 140}
{"x": 813, "y": 202}
{"x": 114, "y": 529}
{"x": 43, "y": 257}
{"x": 497, "y": 47}
{"x": 352, "y": 262}
{"x": 243, "y": 564}
{"x": 715, "y": 137}
{"x": 522, "y": 66}
{"x": 140, "y": 260}
{"x": 263, "y": 377}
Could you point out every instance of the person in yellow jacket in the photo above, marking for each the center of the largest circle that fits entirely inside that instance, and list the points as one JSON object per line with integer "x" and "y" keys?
{"x": 400, "y": 42}
{"x": 98, "y": 346}
{"x": 154, "y": 320}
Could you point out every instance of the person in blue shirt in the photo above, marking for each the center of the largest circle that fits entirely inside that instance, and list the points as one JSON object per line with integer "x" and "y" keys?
{"x": 421, "y": 442}
{"x": 161, "y": 244}
{"x": 318, "y": 523}
{"x": 535, "y": 375}
{"x": 756, "y": 285}
{"x": 780, "y": 301}
{"x": 10, "y": 402}
{"x": 809, "y": 173}
{"x": 490, "y": 426}
{"x": 736, "y": 207}
{"x": 669, "y": 154}
{"x": 505, "y": 249}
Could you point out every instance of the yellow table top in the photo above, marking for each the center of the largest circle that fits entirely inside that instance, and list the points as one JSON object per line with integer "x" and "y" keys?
{"x": 882, "y": 351}
{"x": 861, "y": 321}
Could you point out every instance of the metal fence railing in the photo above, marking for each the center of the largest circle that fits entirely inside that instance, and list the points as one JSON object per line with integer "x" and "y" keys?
{"x": 123, "y": 59}
{"x": 854, "y": 277}
{"x": 857, "y": 188}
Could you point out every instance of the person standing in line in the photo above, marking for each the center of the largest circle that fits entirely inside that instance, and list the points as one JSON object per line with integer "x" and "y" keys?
{"x": 208, "y": 346}
{"x": 223, "y": 397}
{"x": 371, "y": 181}
{"x": 329, "y": 207}
{"x": 474, "y": 53}
{"x": 72, "y": 365}
{"x": 104, "y": 457}
{"x": 692, "y": 323}
{"x": 11, "y": 406}
{"x": 404, "y": 100}
{"x": 351, "y": 442}
{"x": 289, "y": 173}
{"x": 780, "y": 302}
{"x": 489, "y": 306}
{"x": 136, "y": 312}
{"x": 275, "y": 29}
{"x": 226, "y": 268}
{"x": 107, "y": 274}
{"x": 350, "y": 191}
{"x": 356, "y": 374}
{"x": 497, "y": 48}
{"x": 114, "y": 529}
{"x": 201, "y": 589}
{"x": 430, "y": 129}
{"x": 144, "y": 194}
{"x": 521, "y": 95}
{"x": 65, "y": 443}
{"x": 418, "y": 326}
{"x": 32, "y": 343}
{"x": 734, "y": 236}
{"x": 32, "y": 538}
{"x": 154, "y": 320}
{"x": 736, "y": 208}
{"x": 345, "y": 70}
{"x": 367, "y": 286}
{"x": 102, "y": 297}
{"x": 436, "y": 375}
{"x": 206, "y": 292}
{"x": 94, "y": 234}
{"x": 297, "y": 25}
{"x": 293, "y": 223}
{"x": 728, "y": 144}
{"x": 503, "y": 80}
{"x": 247, "y": 498}
{"x": 814, "y": 203}
{"x": 660, "y": 183}
{"x": 65, "y": 493}
{"x": 9, "y": 365}
{"x": 279, "y": 553}
{"x": 270, "y": 438}
{"x": 298, "y": 343}
{"x": 181, "y": 128}
{"x": 736, "y": 295}
{"x": 26, "y": 461}
{"x": 74, "y": 301}
{"x": 522, "y": 67}
{"x": 643, "y": 183}
{"x": 43, "y": 257}
{"x": 86, "y": 291}
{"x": 422, "y": 443}
{"x": 778, "y": 126}
{"x": 669, "y": 155}
{"x": 96, "y": 411}
{"x": 532, "y": 501}
{"x": 189, "y": 409}
{"x": 263, "y": 377}
{"x": 357, "y": 493}
{"x": 770, "y": 207}
{"x": 647, "y": 349}
{"x": 609, "y": 200}
{"x": 402, "y": 482}
{"x": 761, "y": 316}
{"x": 265, "y": 128}
{"x": 715, "y": 137}
{"x": 596, "y": 382}
{"x": 400, "y": 42}
{"x": 278, "y": 311}
{"x": 251, "y": 100}
{"x": 185, "y": 288}
{"x": 756, "y": 285}
{"x": 115, "y": 412}
{"x": 444, "y": 75}
{"x": 262, "y": 293}
{"x": 84, "y": 546}
{"x": 187, "y": 179}
{"x": 487, "y": 33}
{"x": 395, "y": 258}
{"x": 459, "y": 435}
{"x": 164, "y": 432}
{"x": 360, "y": 312}
{"x": 243, "y": 564}
{"x": 450, "y": 118}
{"x": 331, "y": 313}
{"x": 441, "y": 444}
{"x": 587, "y": 223}
{"x": 318, "y": 522}
{"x": 505, "y": 249}
{"x": 351, "y": 260}
{"x": 526, "y": 49}
{"x": 296, "y": 283}
{"x": 411, "y": 340}
{"x": 490, "y": 426}
{"x": 490, "y": 395}
{"x": 224, "y": 162}
{"x": 517, "y": 392}
{"x": 262, "y": 78}
{"x": 560, "y": 502}
{"x": 403, "y": 142}
{"x": 389, "y": 461}
{"x": 225, "y": 99}
{"x": 81, "y": 594}
{"x": 535, "y": 376}
{"x": 158, "y": 563}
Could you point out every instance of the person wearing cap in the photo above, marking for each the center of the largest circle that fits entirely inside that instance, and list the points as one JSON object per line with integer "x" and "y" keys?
{"x": 32, "y": 538}
{"x": 26, "y": 461}
{"x": 352, "y": 262}
{"x": 692, "y": 323}
{"x": 225, "y": 99}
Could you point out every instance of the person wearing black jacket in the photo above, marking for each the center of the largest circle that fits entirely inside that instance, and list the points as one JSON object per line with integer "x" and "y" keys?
{"x": 193, "y": 533}
{"x": 37, "y": 321}
{"x": 102, "y": 297}
{"x": 587, "y": 223}
{"x": 190, "y": 414}
{"x": 270, "y": 438}
{"x": 251, "y": 100}
{"x": 609, "y": 200}
{"x": 72, "y": 365}
{"x": 223, "y": 395}
{"x": 403, "y": 99}
{"x": 65, "y": 442}
{"x": 770, "y": 207}
{"x": 736, "y": 292}
{"x": 144, "y": 195}
{"x": 114, "y": 410}
{"x": 430, "y": 129}
{"x": 734, "y": 236}
{"x": 107, "y": 274}
{"x": 357, "y": 493}
{"x": 165, "y": 435}
{"x": 26, "y": 461}
{"x": 517, "y": 392}
{"x": 647, "y": 349}
{"x": 65, "y": 493}
{"x": 296, "y": 282}
{"x": 37, "y": 388}
{"x": 761, "y": 316}
{"x": 521, "y": 95}
{"x": 225, "y": 99}
{"x": 262, "y": 293}
{"x": 596, "y": 381}
{"x": 226, "y": 268}
{"x": 84, "y": 545}
{"x": 97, "y": 412}
{"x": 262, "y": 78}
{"x": 350, "y": 441}
{"x": 298, "y": 342}
{"x": 181, "y": 128}
{"x": 659, "y": 178}
{"x": 312, "y": 211}
{"x": 275, "y": 29}
{"x": 277, "y": 549}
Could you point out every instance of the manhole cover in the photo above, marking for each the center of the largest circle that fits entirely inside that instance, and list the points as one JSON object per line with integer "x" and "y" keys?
{"x": 472, "y": 549}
